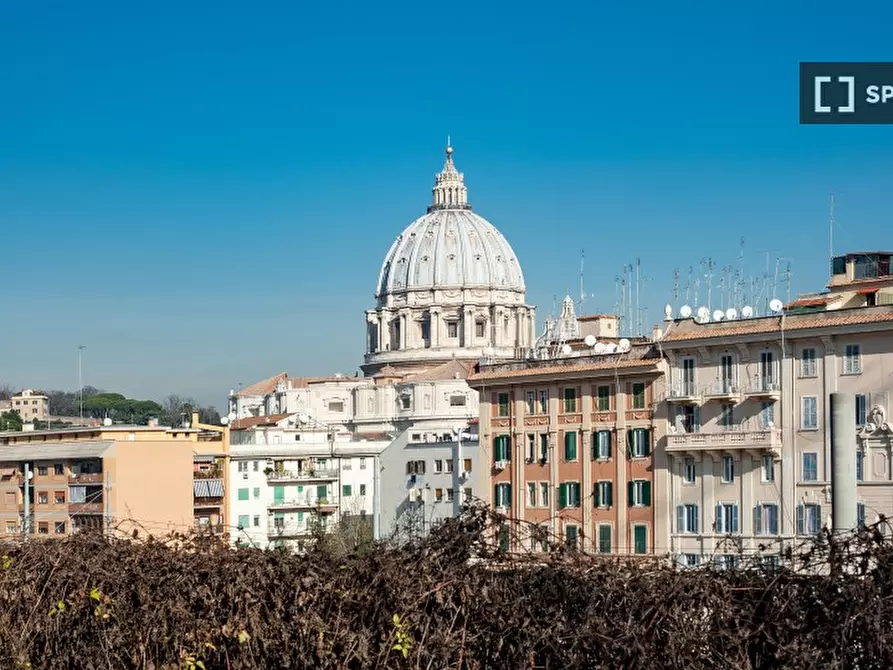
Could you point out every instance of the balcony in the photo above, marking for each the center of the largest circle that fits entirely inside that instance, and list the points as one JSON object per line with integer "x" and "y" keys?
{"x": 207, "y": 503}
{"x": 763, "y": 387}
{"x": 85, "y": 478}
{"x": 685, "y": 393}
{"x": 85, "y": 508}
{"x": 767, "y": 438}
{"x": 284, "y": 476}
{"x": 328, "y": 504}
{"x": 292, "y": 529}
{"x": 212, "y": 473}
{"x": 724, "y": 389}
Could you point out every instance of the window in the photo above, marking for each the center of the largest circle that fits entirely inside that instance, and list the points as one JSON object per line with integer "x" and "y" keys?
{"x": 438, "y": 466}
{"x": 466, "y": 495}
{"x": 256, "y": 492}
{"x": 243, "y": 466}
{"x": 604, "y": 538}
{"x": 336, "y": 406}
{"x": 243, "y": 494}
{"x": 531, "y": 447}
{"x": 603, "y": 400}
{"x": 502, "y": 448}
{"x": 531, "y": 494}
{"x": 767, "y": 414}
{"x": 860, "y": 515}
{"x": 479, "y": 329}
{"x": 544, "y": 402}
{"x": 256, "y": 465}
{"x": 346, "y": 490}
{"x": 449, "y": 464}
{"x": 569, "y": 495}
{"x": 544, "y": 447}
{"x": 243, "y": 521}
{"x": 452, "y": 329}
{"x": 852, "y": 359}
{"x": 639, "y": 493}
{"x": 807, "y": 363}
{"x": 687, "y": 387}
{"x": 362, "y": 489}
{"x": 767, "y": 372}
{"x": 687, "y": 518}
{"x": 58, "y": 469}
{"x": 570, "y": 400}
{"x": 860, "y": 458}
{"x": 601, "y": 445}
{"x": 640, "y": 539}
{"x": 728, "y": 469}
{"x": 544, "y": 494}
{"x": 809, "y": 519}
{"x": 531, "y": 402}
{"x": 638, "y": 395}
{"x": 425, "y": 327}
{"x": 726, "y": 373}
{"x": 768, "y": 468}
{"x": 466, "y": 465}
{"x": 59, "y": 497}
{"x": 362, "y": 463}
{"x": 60, "y": 528}
{"x": 502, "y": 495}
{"x": 405, "y": 402}
{"x": 603, "y": 494}
{"x": 42, "y": 470}
{"x": 690, "y": 560}
{"x": 43, "y": 498}
{"x": 438, "y": 495}
{"x": 765, "y": 519}
{"x": 415, "y": 467}
{"x": 570, "y": 446}
{"x": 43, "y": 528}
{"x": 571, "y": 535}
{"x": 638, "y": 443}
{"x": 727, "y": 415}
{"x": 861, "y": 409}
{"x": 503, "y": 406}
{"x": 726, "y": 518}
{"x": 810, "y": 467}
{"x": 688, "y": 419}
{"x": 689, "y": 471}
{"x": 809, "y": 416}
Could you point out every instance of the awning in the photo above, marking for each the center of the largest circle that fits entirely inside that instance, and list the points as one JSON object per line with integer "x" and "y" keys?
{"x": 7, "y": 472}
{"x": 207, "y": 488}
{"x": 866, "y": 291}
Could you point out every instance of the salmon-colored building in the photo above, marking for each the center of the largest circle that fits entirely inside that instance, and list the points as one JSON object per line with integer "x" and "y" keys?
{"x": 571, "y": 447}
{"x": 115, "y": 478}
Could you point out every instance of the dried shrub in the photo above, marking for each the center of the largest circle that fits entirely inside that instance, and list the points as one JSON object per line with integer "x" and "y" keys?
{"x": 447, "y": 601}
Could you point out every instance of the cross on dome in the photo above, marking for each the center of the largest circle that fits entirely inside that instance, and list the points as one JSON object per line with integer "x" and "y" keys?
{"x": 449, "y": 185}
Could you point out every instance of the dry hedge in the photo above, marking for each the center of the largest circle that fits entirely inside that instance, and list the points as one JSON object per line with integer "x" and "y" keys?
{"x": 89, "y": 602}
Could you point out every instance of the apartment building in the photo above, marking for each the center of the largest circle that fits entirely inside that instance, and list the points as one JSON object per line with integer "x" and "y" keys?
{"x": 748, "y": 445}
{"x": 117, "y": 478}
{"x": 31, "y": 405}
{"x": 569, "y": 440}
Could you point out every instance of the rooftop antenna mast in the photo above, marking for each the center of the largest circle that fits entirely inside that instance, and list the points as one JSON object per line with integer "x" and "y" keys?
{"x": 689, "y": 285}
{"x": 707, "y": 264}
{"x": 676, "y": 289}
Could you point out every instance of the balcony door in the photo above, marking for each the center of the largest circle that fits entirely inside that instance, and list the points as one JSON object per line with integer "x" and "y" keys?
{"x": 726, "y": 373}
{"x": 767, "y": 371}
{"x": 688, "y": 376}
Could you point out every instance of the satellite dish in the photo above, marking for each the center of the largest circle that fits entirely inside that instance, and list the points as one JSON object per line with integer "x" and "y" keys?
{"x": 590, "y": 340}
{"x": 106, "y": 421}
{"x": 611, "y": 348}
{"x": 747, "y": 311}
{"x": 457, "y": 429}
{"x": 668, "y": 312}
{"x": 224, "y": 420}
{"x": 624, "y": 344}
{"x": 599, "y": 348}
{"x": 685, "y": 312}
{"x": 775, "y": 305}
{"x": 703, "y": 314}
{"x": 718, "y": 315}
{"x": 303, "y": 418}
{"x": 731, "y": 313}
{"x": 566, "y": 349}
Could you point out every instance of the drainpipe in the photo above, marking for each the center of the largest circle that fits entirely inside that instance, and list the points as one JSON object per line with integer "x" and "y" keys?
{"x": 26, "y": 524}
{"x": 843, "y": 462}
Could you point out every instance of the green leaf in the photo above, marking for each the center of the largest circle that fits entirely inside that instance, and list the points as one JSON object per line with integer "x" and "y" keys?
{"x": 396, "y": 619}
{"x": 95, "y": 594}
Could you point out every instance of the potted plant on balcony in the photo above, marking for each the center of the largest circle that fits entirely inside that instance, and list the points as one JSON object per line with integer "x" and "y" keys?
{"x": 268, "y": 471}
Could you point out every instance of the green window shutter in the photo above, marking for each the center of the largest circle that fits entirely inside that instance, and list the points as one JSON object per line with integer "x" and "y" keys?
{"x": 508, "y": 494}
{"x": 609, "y": 439}
{"x": 562, "y": 496}
{"x": 570, "y": 446}
{"x": 640, "y": 538}
{"x": 630, "y": 493}
{"x": 278, "y": 494}
{"x": 243, "y": 494}
{"x": 345, "y": 490}
{"x": 646, "y": 435}
{"x": 243, "y": 521}
{"x": 496, "y": 495}
{"x": 646, "y": 494}
{"x": 497, "y": 448}
{"x": 610, "y": 494}
{"x": 596, "y": 498}
{"x": 508, "y": 448}
{"x": 629, "y": 443}
{"x": 321, "y": 491}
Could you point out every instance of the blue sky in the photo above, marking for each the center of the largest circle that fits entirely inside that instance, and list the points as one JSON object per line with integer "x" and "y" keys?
{"x": 202, "y": 193}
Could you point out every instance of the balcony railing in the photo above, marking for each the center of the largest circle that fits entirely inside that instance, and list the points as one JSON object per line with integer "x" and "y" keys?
{"x": 301, "y": 475}
{"x": 86, "y": 478}
{"x": 291, "y": 530}
{"x": 202, "y": 503}
{"x": 85, "y": 508}
{"x": 305, "y": 502}
{"x": 213, "y": 473}
{"x": 723, "y": 388}
{"x": 766, "y": 438}
{"x": 763, "y": 386}
{"x": 684, "y": 392}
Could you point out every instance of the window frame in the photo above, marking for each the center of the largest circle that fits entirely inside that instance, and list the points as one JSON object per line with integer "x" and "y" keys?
{"x": 808, "y": 363}
{"x": 815, "y": 466}
{"x": 804, "y": 413}
{"x": 852, "y": 359}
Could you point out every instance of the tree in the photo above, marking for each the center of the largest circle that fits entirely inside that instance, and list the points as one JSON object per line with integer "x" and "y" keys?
{"x": 6, "y": 392}
{"x": 10, "y": 421}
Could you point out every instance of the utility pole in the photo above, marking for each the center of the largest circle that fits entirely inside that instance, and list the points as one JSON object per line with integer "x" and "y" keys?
{"x": 81, "y": 348}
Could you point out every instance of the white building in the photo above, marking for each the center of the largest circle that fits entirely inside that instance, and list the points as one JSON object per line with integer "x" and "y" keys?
{"x": 450, "y": 291}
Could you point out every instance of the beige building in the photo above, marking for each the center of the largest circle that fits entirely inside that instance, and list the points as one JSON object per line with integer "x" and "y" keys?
{"x": 117, "y": 478}
{"x": 31, "y": 405}
{"x": 748, "y": 441}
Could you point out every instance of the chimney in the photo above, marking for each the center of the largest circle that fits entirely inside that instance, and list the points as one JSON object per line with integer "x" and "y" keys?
{"x": 656, "y": 333}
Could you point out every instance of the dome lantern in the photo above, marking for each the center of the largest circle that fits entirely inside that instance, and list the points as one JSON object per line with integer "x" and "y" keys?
{"x": 449, "y": 186}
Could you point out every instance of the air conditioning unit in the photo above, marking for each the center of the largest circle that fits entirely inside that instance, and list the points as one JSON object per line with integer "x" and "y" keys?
{"x": 502, "y": 465}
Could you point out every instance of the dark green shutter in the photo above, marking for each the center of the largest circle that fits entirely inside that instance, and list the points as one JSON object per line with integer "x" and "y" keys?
{"x": 646, "y": 494}
{"x": 496, "y": 495}
{"x": 508, "y": 494}
{"x": 562, "y": 496}
{"x": 630, "y": 493}
{"x": 610, "y": 440}
{"x": 629, "y": 443}
{"x": 507, "y": 456}
{"x": 647, "y": 437}
{"x": 610, "y": 494}
{"x": 596, "y": 497}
